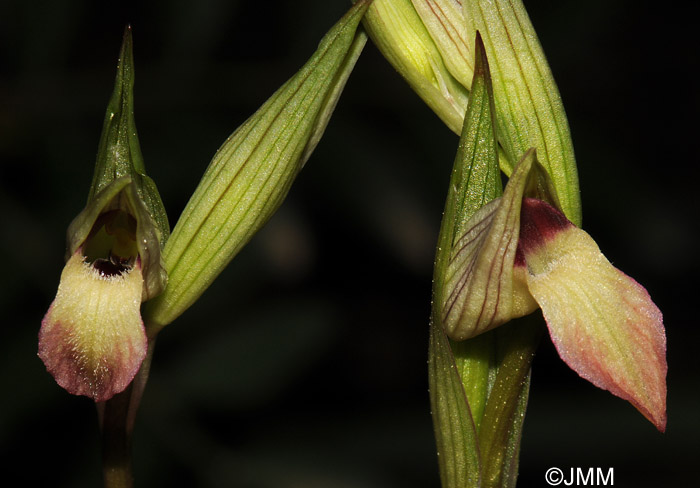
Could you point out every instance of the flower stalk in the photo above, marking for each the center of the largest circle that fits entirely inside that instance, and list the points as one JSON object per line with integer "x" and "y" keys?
{"x": 116, "y": 417}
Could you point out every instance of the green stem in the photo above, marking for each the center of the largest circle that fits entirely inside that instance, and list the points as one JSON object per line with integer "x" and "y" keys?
{"x": 116, "y": 442}
{"x": 117, "y": 416}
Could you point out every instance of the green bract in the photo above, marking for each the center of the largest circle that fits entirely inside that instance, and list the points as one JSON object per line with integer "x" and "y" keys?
{"x": 529, "y": 109}
{"x": 119, "y": 152}
{"x": 120, "y": 184}
{"x": 250, "y": 175}
{"x": 478, "y": 387}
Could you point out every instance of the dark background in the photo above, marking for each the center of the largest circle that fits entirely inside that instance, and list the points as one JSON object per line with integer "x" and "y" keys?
{"x": 304, "y": 365}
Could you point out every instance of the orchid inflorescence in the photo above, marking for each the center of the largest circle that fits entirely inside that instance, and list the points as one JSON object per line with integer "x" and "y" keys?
{"x": 503, "y": 253}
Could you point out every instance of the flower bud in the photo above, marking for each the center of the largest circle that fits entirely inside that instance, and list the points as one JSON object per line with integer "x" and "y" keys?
{"x": 250, "y": 175}
{"x": 406, "y": 42}
{"x": 431, "y": 44}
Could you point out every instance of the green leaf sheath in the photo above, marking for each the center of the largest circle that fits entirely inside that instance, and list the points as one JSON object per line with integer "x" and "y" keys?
{"x": 119, "y": 151}
{"x": 501, "y": 425}
{"x": 529, "y": 109}
{"x": 455, "y": 432}
{"x": 476, "y": 363}
{"x": 250, "y": 175}
{"x": 494, "y": 368}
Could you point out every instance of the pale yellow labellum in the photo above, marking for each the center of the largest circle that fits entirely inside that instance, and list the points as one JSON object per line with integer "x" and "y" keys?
{"x": 602, "y": 322}
{"x": 92, "y": 339}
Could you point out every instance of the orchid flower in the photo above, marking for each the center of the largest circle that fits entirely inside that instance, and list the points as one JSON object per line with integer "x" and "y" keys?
{"x": 92, "y": 339}
{"x": 519, "y": 252}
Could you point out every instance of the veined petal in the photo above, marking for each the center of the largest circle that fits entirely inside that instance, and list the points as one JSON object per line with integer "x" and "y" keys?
{"x": 92, "y": 339}
{"x": 602, "y": 322}
{"x": 482, "y": 285}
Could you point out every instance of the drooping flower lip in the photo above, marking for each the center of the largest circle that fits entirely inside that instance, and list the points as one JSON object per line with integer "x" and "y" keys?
{"x": 92, "y": 339}
{"x": 602, "y": 322}
{"x": 522, "y": 252}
